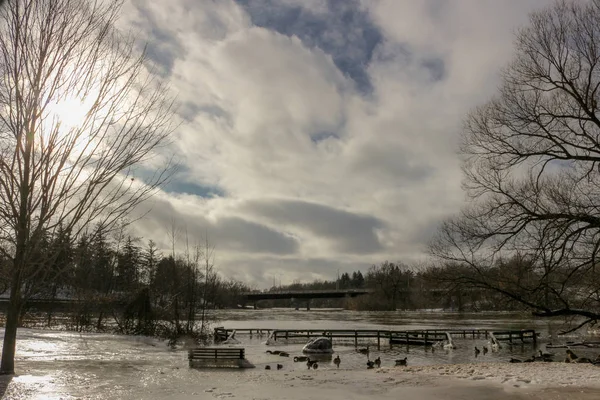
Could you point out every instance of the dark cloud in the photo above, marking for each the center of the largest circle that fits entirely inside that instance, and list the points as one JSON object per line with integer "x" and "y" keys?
{"x": 226, "y": 233}
{"x": 320, "y": 136}
{"x": 349, "y": 232}
{"x": 345, "y": 31}
{"x": 182, "y": 186}
{"x": 436, "y": 68}
{"x": 189, "y": 111}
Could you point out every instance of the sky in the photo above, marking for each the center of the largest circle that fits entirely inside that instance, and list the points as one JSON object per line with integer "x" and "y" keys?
{"x": 318, "y": 136}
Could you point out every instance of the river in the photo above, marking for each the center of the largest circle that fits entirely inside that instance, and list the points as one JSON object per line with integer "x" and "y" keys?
{"x": 68, "y": 365}
{"x": 399, "y": 320}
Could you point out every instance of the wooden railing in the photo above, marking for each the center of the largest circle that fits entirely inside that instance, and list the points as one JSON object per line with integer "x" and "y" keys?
{"x": 416, "y": 337}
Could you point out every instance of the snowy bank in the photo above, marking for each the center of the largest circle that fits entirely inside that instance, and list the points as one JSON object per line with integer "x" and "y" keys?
{"x": 522, "y": 374}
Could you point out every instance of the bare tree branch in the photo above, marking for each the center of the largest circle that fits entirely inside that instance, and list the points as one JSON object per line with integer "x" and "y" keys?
{"x": 532, "y": 171}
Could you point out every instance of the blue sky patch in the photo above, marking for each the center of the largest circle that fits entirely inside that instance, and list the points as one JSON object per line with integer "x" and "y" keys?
{"x": 345, "y": 32}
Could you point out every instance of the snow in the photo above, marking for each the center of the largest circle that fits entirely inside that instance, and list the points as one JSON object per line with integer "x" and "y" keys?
{"x": 517, "y": 375}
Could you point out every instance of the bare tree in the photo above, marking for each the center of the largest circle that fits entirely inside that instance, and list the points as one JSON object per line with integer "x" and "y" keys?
{"x": 79, "y": 112}
{"x": 205, "y": 254}
{"x": 532, "y": 171}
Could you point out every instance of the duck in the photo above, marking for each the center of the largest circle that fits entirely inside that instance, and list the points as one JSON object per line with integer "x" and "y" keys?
{"x": 279, "y": 366}
{"x": 485, "y": 350}
{"x": 402, "y": 362}
{"x": 300, "y": 358}
{"x": 514, "y": 360}
{"x": 477, "y": 351}
{"x": 571, "y": 356}
{"x": 337, "y": 361}
{"x": 378, "y": 362}
{"x": 312, "y": 364}
{"x": 547, "y": 357}
{"x": 275, "y": 352}
{"x": 364, "y": 351}
{"x": 370, "y": 364}
{"x": 267, "y": 367}
{"x": 283, "y": 354}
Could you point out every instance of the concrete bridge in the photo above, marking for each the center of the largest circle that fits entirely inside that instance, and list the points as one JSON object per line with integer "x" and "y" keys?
{"x": 305, "y": 295}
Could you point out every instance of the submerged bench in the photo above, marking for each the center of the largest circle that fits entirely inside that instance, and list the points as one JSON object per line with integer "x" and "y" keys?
{"x": 207, "y": 357}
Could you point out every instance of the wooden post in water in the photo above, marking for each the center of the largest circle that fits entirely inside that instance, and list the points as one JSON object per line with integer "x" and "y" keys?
{"x": 355, "y": 339}
{"x": 378, "y": 341}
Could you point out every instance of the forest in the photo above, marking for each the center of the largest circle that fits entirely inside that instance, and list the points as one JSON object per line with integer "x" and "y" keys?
{"x": 111, "y": 281}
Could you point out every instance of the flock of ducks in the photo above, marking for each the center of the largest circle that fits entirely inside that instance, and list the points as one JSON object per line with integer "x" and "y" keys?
{"x": 542, "y": 356}
{"x": 571, "y": 357}
{"x": 477, "y": 351}
{"x": 377, "y": 361}
{"x": 313, "y": 364}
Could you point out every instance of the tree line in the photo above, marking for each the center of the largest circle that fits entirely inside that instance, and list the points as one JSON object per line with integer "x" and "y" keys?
{"x": 399, "y": 286}
{"x": 117, "y": 282}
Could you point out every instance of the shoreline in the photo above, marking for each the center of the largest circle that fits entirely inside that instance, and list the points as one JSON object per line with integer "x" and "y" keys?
{"x": 493, "y": 381}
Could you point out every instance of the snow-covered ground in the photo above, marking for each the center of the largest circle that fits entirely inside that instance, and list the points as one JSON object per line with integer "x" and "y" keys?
{"x": 66, "y": 365}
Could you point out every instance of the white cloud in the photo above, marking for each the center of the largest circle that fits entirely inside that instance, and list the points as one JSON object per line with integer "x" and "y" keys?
{"x": 310, "y": 164}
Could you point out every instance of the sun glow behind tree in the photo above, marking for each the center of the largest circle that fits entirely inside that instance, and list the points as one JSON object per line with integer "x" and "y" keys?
{"x": 79, "y": 111}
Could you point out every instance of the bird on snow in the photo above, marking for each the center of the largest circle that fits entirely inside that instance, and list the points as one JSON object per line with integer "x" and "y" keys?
{"x": 402, "y": 362}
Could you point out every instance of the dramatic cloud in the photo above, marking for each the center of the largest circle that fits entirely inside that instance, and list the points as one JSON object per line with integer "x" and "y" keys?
{"x": 319, "y": 135}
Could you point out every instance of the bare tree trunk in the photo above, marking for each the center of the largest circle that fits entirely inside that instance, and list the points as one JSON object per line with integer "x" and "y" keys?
{"x": 12, "y": 321}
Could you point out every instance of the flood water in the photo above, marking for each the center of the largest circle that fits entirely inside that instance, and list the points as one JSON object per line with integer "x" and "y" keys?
{"x": 68, "y": 365}
{"x": 416, "y": 355}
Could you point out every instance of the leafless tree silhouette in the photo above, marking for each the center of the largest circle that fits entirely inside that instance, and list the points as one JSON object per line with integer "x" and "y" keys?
{"x": 532, "y": 171}
{"x": 81, "y": 118}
